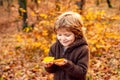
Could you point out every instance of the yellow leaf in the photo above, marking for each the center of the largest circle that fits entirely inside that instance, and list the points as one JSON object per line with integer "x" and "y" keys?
{"x": 46, "y": 50}
{"x": 32, "y": 13}
{"x": 99, "y": 46}
{"x": 39, "y": 1}
{"x": 102, "y": 41}
{"x": 48, "y": 59}
{"x": 22, "y": 10}
{"x": 19, "y": 39}
{"x": 45, "y": 33}
{"x": 53, "y": 37}
{"x": 36, "y": 44}
{"x": 43, "y": 15}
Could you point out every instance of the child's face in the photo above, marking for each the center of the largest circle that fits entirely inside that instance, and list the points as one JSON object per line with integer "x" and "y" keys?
{"x": 65, "y": 37}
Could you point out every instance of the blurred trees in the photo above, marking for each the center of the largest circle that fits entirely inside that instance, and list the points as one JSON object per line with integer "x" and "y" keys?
{"x": 8, "y": 4}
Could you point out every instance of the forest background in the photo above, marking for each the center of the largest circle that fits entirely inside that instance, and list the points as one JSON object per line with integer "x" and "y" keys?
{"x": 23, "y": 49}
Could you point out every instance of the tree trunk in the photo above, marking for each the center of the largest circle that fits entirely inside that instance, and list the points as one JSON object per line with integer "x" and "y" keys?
{"x": 1, "y": 2}
{"x": 23, "y": 14}
{"x": 109, "y": 4}
{"x": 81, "y": 5}
{"x": 57, "y": 3}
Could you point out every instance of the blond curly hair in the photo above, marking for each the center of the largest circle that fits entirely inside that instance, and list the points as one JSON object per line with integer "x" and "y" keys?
{"x": 71, "y": 21}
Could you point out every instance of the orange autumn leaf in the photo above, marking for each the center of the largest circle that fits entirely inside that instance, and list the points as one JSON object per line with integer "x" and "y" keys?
{"x": 59, "y": 60}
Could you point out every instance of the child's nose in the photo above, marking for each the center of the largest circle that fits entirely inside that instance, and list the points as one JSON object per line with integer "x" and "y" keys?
{"x": 63, "y": 38}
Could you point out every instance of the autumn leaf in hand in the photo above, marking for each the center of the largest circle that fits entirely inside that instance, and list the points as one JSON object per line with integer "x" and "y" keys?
{"x": 48, "y": 59}
{"x": 60, "y": 62}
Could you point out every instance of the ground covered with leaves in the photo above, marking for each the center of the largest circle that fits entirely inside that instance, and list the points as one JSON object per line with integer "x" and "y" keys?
{"x": 22, "y": 52}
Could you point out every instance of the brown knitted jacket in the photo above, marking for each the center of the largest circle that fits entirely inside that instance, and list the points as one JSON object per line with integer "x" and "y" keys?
{"x": 78, "y": 58}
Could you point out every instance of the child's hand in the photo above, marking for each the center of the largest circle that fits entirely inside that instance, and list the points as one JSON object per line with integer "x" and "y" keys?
{"x": 47, "y": 64}
{"x": 48, "y": 61}
{"x": 60, "y": 62}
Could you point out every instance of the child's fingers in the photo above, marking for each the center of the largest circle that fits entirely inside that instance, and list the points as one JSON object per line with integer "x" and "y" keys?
{"x": 47, "y": 64}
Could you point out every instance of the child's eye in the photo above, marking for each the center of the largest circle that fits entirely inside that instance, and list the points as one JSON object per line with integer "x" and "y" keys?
{"x": 67, "y": 35}
{"x": 59, "y": 35}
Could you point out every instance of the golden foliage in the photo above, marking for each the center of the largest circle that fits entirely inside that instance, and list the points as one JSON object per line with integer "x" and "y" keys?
{"x": 98, "y": 31}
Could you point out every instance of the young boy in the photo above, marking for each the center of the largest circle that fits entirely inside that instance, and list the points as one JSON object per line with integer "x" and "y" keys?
{"x": 71, "y": 46}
